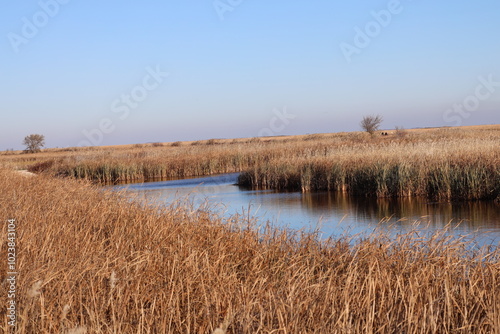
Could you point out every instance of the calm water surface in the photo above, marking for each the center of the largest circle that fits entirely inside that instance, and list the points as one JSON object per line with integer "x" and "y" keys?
{"x": 334, "y": 214}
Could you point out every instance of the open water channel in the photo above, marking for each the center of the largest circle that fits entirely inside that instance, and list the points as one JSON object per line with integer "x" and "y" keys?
{"x": 333, "y": 214}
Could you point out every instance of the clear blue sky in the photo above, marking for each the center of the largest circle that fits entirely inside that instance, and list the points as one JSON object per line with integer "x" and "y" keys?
{"x": 69, "y": 67}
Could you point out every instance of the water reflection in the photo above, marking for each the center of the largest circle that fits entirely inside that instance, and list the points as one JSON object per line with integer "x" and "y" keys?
{"x": 332, "y": 213}
{"x": 471, "y": 214}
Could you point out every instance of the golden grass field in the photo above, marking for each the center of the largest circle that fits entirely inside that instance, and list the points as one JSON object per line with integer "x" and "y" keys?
{"x": 440, "y": 163}
{"x": 91, "y": 261}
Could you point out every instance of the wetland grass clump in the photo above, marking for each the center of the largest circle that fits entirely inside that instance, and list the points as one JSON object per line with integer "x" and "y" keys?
{"x": 446, "y": 168}
{"x": 92, "y": 261}
{"x": 443, "y": 182}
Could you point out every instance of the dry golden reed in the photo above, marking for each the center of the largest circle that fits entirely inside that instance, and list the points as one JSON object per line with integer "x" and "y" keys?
{"x": 442, "y": 164}
{"x": 445, "y": 164}
{"x": 92, "y": 261}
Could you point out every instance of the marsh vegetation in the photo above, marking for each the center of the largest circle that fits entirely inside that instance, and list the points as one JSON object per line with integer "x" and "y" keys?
{"x": 441, "y": 164}
{"x": 93, "y": 261}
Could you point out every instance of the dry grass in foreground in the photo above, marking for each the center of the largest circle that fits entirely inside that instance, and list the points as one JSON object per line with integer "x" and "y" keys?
{"x": 90, "y": 261}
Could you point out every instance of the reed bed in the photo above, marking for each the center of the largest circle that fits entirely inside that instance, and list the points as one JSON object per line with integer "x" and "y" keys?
{"x": 443, "y": 170}
{"x": 442, "y": 164}
{"x": 93, "y": 261}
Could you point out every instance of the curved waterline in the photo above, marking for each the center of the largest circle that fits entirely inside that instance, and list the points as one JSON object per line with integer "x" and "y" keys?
{"x": 332, "y": 213}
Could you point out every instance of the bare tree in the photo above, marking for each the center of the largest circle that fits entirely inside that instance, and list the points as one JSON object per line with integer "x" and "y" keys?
{"x": 371, "y": 123}
{"x": 401, "y": 132}
{"x": 34, "y": 143}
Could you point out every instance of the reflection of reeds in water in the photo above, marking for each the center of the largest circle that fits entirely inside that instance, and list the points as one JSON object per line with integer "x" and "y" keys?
{"x": 482, "y": 214}
{"x": 90, "y": 261}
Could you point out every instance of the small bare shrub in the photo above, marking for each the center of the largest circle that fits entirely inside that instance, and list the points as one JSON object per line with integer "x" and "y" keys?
{"x": 371, "y": 123}
{"x": 211, "y": 142}
{"x": 401, "y": 132}
{"x": 41, "y": 166}
{"x": 315, "y": 136}
{"x": 254, "y": 140}
{"x": 34, "y": 143}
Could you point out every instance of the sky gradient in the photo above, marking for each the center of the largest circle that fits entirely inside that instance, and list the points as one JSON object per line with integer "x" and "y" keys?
{"x": 122, "y": 72}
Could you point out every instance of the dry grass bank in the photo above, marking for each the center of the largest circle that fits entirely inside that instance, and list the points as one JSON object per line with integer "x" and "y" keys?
{"x": 90, "y": 260}
{"x": 443, "y": 163}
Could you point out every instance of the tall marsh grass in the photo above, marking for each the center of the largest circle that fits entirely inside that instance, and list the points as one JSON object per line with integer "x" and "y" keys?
{"x": 447, "y": 168}
{"x": 92, "y": 261}
{"x": 442, "y": 164}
